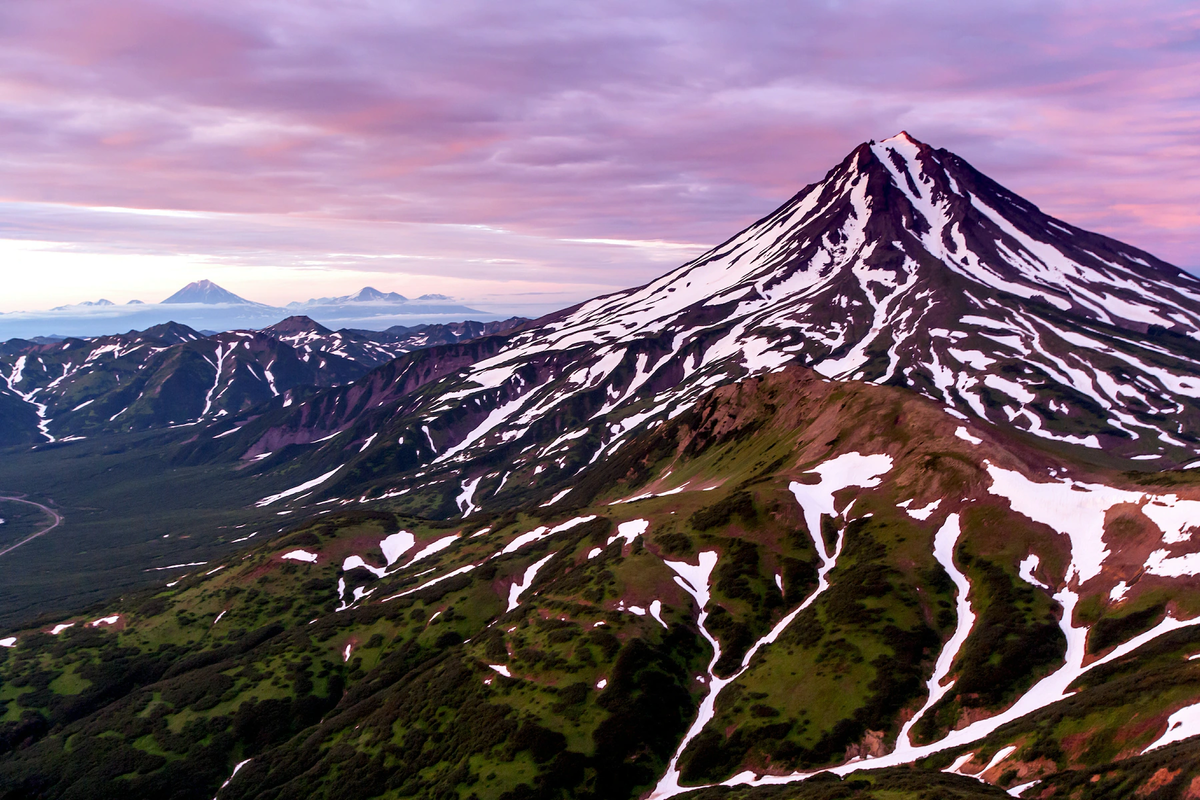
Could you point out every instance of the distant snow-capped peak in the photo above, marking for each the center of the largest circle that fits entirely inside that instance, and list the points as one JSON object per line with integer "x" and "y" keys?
{"x": 367, "y": 294}
{"x": 206, "y": 292}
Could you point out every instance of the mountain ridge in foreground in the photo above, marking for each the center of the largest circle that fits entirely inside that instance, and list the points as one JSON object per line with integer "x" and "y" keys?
{"x": 565, "y": 646}
{"x": 857, "y": 504}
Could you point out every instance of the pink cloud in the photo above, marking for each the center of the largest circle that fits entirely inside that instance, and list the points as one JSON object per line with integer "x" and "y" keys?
{"x": 669, "y": 121}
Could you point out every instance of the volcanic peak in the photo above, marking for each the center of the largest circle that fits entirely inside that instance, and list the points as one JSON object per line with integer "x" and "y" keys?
{"x": 206, "y": 292}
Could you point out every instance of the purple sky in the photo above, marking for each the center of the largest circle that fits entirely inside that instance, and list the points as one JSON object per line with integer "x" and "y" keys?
{"x": 521, "y": 156}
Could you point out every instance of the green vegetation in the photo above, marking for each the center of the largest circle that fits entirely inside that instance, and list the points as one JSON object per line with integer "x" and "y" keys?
{"x": 20, "y": 520}
{"x": 428, "y": 686}
{"x": 1016, "y": 640}
{"x": 1112, "y": 630}
{"x": 844, "y": 668}
{"x": 1089, "y": 745}
{"x": 127, "y": 508}
{"x": 163, "y": 703}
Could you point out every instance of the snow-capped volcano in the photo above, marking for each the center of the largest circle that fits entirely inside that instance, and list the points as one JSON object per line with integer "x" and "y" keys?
{"x": 367, "y": 294}
{"x": 907, "y": 266}
{"x": 208, "y": 293}
{"x": 903, "y": 266}
{"x": 369, "y": 301}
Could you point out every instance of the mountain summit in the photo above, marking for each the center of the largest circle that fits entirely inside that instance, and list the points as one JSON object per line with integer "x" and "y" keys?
{"x": 208, "y": 293}
{"x": 904, "y": 266}
{"x": 367, "y": 294}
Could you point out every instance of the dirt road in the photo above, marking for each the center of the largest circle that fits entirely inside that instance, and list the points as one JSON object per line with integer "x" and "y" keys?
{"x": 52, "y": 513}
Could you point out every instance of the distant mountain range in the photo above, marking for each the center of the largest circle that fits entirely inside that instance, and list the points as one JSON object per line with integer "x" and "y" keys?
{"x": 367, "y": 294}
{"x": 203, "y": 305}
{"x": 170, "y": 374}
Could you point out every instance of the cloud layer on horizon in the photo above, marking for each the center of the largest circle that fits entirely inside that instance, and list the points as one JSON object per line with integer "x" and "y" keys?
{"x": 549, "y": 148}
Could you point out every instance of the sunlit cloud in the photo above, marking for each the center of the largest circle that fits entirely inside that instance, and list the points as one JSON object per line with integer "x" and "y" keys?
{"x": 511, "y": 151}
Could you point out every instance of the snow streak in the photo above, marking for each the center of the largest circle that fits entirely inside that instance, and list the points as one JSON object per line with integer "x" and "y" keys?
{"x": 816, "y": 500}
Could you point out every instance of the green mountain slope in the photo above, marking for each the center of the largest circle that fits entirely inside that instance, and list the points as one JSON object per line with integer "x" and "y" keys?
{"x": 787, "y": 557}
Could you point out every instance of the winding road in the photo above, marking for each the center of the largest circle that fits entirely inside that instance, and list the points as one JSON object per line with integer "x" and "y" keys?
{"x": 53, "y": 515}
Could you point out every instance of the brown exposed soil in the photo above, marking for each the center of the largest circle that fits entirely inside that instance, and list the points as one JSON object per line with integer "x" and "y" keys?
{"x": 872, "y": 745}
{"x": 1159, "y": 779}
